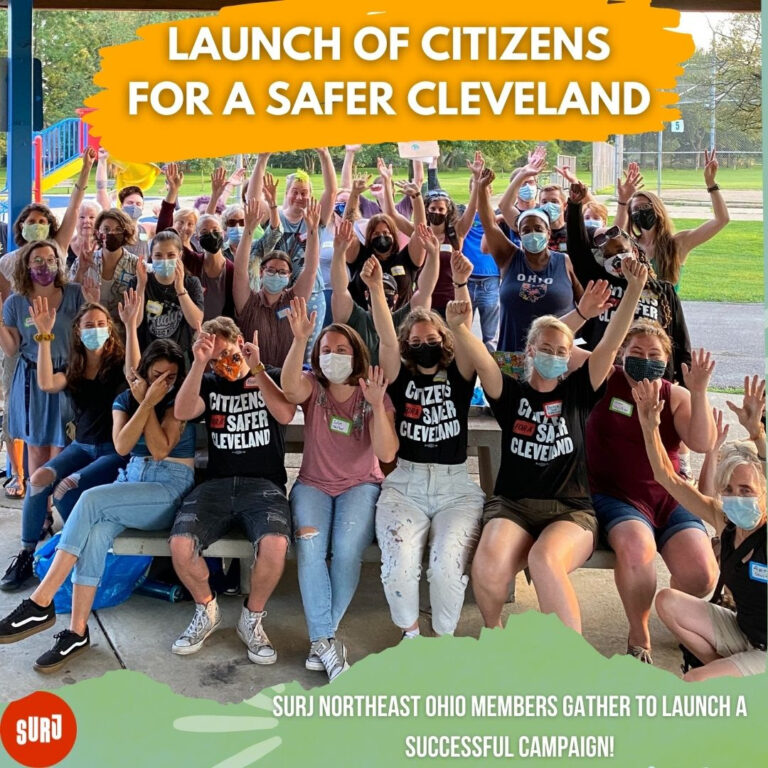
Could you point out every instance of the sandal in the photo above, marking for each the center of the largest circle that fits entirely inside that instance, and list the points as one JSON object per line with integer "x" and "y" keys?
{"x": 14, "y": 487}
{"x": 640, "y": 653}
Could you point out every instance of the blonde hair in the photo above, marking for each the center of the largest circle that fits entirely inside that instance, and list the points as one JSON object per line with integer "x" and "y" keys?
{"x": 649, "y": 328}
{"x": 666, "y": 253}
{"x": 597, "y": 209}
{"x": 538, "y": 326}
{"x": 182, "y": 213}
{"x": 732, "y": 456}
{"x": 222, "y": 326}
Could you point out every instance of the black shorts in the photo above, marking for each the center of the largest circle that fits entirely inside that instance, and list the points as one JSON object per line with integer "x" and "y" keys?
{"x": 255, "y": 505}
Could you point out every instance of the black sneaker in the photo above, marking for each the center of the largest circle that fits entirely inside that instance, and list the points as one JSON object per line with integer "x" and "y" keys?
{"x": 68, "y": 645}
{"x": 26, "y": 619}
{"x": 19, "y": 572}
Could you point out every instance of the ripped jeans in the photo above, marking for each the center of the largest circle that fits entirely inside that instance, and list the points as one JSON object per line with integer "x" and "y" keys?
{"x": 88, "y": 466}
{"x": 343, "y": 526}
{"x": 420, "y": 503}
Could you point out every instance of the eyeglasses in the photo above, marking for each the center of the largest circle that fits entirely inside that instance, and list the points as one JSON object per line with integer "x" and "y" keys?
{"x": 601, "y": 238}
{"x": 272, "y": 272}
{"x": 235, "y": 222}
{"x": 428, "y": 342}
{"x": 112, "y": 231}
{"x": 39, "y": 261}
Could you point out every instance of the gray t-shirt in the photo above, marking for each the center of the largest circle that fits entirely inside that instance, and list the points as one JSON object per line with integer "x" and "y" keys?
{"x": 215, "y": 292}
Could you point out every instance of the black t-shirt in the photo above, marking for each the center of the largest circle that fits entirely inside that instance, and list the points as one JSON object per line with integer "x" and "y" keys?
{"x": 92, "y": 404}
{"x": 163, "y": 318}
{"x": 431, "y": 415}
{"x": 244, "y": 439}
{"x": 747, "y": 581}
{"x": 399, "y": 265}
{"x": 542, "y": 439}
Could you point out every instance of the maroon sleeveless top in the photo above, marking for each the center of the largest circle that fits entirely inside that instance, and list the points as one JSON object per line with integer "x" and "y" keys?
{"x": 617, "y": 462}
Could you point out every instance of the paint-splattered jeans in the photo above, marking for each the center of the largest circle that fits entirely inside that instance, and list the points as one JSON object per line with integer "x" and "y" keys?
{"x": 342, "y": 526}
{"x": 420, "y": 503}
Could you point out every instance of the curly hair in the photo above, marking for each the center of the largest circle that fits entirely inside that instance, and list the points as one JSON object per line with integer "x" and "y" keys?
{"x": 22, "y": 282}
{"x": 112, "y": 356}
{"x": 451, "y": 215}
{"x": 18, "y": 225}
{"x": 422, "y": 315}
{"x": 666, "y": 252}
{"x": 224, "y": 327}
{"x": 361, "y": 357}
{"x": 123, "y": 220}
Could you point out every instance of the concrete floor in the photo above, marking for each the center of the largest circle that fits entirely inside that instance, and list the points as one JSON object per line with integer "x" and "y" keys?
{"x": 138, "y": 634}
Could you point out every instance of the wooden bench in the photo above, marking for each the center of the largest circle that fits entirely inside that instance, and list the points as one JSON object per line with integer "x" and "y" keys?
{"x": 484, "y": 441}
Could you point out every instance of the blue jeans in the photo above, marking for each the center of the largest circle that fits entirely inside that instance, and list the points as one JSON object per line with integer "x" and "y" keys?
{"x": 345, "y": 522}
{"x": 328, "y": 311}
{"x": 145, "y": 496}
{"x": 484, "y": 293}
{"x": 88, "y": 465}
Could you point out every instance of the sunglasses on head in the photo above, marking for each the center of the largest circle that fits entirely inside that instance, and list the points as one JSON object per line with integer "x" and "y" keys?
{"x": 437, "y": 194}
{"x": 601, "y": 238}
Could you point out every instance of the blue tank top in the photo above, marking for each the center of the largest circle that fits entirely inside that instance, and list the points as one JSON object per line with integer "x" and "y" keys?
{"x": 483, "y": 264}
{"x": 526, "y": 294}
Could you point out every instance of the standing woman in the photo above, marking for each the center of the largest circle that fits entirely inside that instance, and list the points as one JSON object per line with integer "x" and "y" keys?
{"x": 349, "y": 428}
{"x": 729, "y": 644}
{"x": 36, "y": 416}
{"x": 145, "y": 496}
{"x": 93, "y": 377}
{"x": 84, "y": 239}
{"x": 650, "y": 223}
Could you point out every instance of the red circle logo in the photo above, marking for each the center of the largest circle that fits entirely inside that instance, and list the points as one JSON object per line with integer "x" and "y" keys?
{"x": 38, "y": 730}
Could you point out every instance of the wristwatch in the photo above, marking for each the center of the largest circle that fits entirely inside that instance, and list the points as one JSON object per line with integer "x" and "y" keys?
{"x": 260, "y": 368}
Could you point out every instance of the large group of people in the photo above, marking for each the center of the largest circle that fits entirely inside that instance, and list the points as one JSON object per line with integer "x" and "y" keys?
{"x": 358, "y": 308}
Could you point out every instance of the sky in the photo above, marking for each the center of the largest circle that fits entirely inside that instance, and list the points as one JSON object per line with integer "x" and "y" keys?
{"x": 698, "y": 25}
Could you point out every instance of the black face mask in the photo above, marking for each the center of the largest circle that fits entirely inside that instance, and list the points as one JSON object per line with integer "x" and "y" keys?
{"x": 211, "y": 241}
{"x": 426, "y": 355}
{"x": 435, "y": 219}
{"x": 639, "y": 368}
{"x": 382, "y": 243}
{"x": 112, "y": 242}
{"x": 644, "y": 219}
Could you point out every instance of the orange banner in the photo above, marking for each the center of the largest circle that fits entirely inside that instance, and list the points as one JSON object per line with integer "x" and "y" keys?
{"x": 291, "y": 74}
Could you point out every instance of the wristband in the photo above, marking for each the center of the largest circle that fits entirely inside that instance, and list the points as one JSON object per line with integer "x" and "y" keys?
{"x": 713, "y": 188}
{"x": 460, "y": 285}
{"x": 38, "y": 337}
{"x": 260, "y": 368}
{"x": 272, "y": 207}
{"x": 83, "y": 188}
{"x": 183, "y": 293}
{"x": 101, "y": 185}
{"x": 580, "y": 315}
{"x": 618, "y": 202}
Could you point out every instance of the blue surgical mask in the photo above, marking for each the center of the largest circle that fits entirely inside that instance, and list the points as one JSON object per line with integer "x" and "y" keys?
{"x": 550, "y": 366}
{"x": 639, "y": 368}
{"x": 593, "y": 223}
{"x": 527, "y": 193}
{"x": 94, "y": 338}
{"x": 743, "y": 511}
{"x": 234, "y": 234}
{"x": 553, "y": 210}
{"x": 275, "y": 283}
{"x": 535, "y": 242}
{"x": 164, "y": 267}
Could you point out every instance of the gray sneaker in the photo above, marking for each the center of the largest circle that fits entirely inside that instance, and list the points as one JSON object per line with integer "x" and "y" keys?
{"x": 332, "y": 654}
{"x": 204, "y": 623}
{"x": 251, "y": 632}
{"x": 314, "y": 662}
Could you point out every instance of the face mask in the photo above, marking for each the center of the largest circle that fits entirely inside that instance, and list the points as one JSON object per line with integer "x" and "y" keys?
{"x": 644, "y": 219}
{"x": 593, "y": 223}
{"x": 228, "y": 367}
{"x": 527, "y": 193}
{"x": 436, "y": 219}
{"x": 426, "y": 355}
{"x": 612, "y": 264}
{"x": 212, "y": 241}
{"x": 233, "y": 235}
{"x": 391, "y": 299}
{"x": 638, "y": 368}
{"x": 549, "y": 366}
{"x": 552, "y": 210}
{"x": 382, "y": 243}
{"x": 134, "y": 211}
{"x": 275, "y": 283}
{"x": 94, "y": 338}
{"x": 742, "y": 511}
{"x": 34, "y": 232}
{"x": 164, "y": 267}
{"x": 535, "y": 242}
{"x": 43, "y": 275}
{"x": 112, "y": 242}
{"x": 336, "y": 368}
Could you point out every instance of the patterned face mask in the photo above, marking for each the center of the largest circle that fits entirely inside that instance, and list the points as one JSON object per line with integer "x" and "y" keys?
{"x": 228, "y": 366}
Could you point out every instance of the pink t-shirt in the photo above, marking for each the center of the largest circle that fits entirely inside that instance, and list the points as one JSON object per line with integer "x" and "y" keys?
{"x": 338, "y": 452}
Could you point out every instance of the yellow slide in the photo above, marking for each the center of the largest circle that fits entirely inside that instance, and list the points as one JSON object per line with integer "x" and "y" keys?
{"x": 53, "y": 179}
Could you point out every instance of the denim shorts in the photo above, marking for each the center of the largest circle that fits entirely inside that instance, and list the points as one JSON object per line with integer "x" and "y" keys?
{"x": 612, "y": 511}
{"x": 255, "y": 505}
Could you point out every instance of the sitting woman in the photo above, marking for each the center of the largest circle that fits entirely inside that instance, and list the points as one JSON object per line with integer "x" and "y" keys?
{"x": 638, "y": 517}
{"x": 349, "y": 427}
{"x": 541, "y": 512}
{"x": 730, "y": 644}
{"x": 145, "y": 496}
{"x": 92, "y": 379}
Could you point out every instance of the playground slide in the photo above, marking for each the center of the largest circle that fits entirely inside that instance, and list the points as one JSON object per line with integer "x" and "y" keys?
{"x": 63, "y": 172}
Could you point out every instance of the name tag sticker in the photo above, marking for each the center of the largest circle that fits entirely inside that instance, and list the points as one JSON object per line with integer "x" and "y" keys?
{"x": 154, "y": 308}
{"x": 28, "y": 321}
{"x": 440, "y": 377}
{"x": 397, "y": 271}
{"x": 341, "y": 426}
{"x": 554, "y": 408}
{"x": 283, "y": 313}
{"x": 621, "y": 406}
{"x": 251, "y": 383}
{"x": 758, "y": 572}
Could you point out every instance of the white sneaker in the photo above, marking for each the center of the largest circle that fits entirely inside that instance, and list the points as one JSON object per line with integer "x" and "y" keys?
{"x": 251, "y": 632}
{"x": 332, "y": 654}
{"x": 204, "y": 623}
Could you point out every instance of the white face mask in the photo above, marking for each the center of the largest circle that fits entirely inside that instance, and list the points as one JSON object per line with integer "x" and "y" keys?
{"x": 336, "y": 368}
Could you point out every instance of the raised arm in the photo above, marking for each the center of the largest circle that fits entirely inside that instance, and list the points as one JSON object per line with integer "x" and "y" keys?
{"x": 465, "y": 222}
{"x": 342, "y": 302}
{"x": 388, "y": 198}
{"x": 274, "y": 232}
{"x": 192, "y": 313}
{"x": 330, "y": 185}
{"x": 595, "y": 299}
{"x": 535, "y": 165}
{"x": 469, "y": 345}
{"x": 695, "y": 423}
{"x": 751, "y": 412}
{"x": 383, "y": 435}
{"x": 296, "y": 387}
{"x": 709, "y": 465}
{"x": 579, "y": 245}
{"x": 131, "y": 309}
{"x": 274, "y": 398}
{"x": 218, "y": 188}
{"x": 631, "y": 183}
{"x": 69, "y": 221}
{"x": 389, "y": 349}
{"x": 241, "y": 288}
{"x": 602, "y": 358}
{"x": 306, "y": 279}
{"x": 44, "y": 318}
{"x": 102, "y": 180}
{"x": 256, "y": 181}
{"x": 499, "y": 246}
{"x": 189, "y": 405}
{"x": 347, "y": 167}
{"x": 430, "y": 271}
